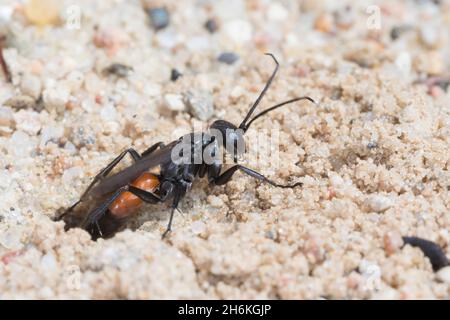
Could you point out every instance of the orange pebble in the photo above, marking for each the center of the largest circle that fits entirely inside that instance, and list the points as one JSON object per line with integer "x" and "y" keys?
{"x": 324, "y": 23}
{"x": 127, "y": 203}
{"x": 42, "y": 12}
{"x": 436, "y": 91}
{"x": 9, "y": 256}
{"x": 36, "y": 67}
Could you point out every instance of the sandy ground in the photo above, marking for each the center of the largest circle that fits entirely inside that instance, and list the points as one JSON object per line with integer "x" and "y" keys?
{"x": 374, "y": 156}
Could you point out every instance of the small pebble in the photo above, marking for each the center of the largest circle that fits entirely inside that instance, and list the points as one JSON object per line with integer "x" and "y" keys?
{"x": 74, "y": 81}
{"x": 336, "y": 93}
{"x": 175, "y": 74}
{"x": 271, "y": 234}
{"x": 108, "y": 113}
{"x": 238, "y": 31}
{"x": 200, "y": 104}
{"x": 30, "y": 85}
{"x": 324, "y": 23}
{"x": 372, "y": 145}
{"x": 345, "y": 17}
{"x": 51, "y": 134}
{"x": 93, "y": 84}
{"x": 368, "y": 268}
{"x": 159, "y": 17}
{"x": 10, "y": 256}
{"x": 6, "y": 12}
{"x": 20, "y": 144}
{"x": 174, "y": 102}
{"x": 211, "y": 25}
{"x": 313, "y": 248}
{"x": 110, "y": 39}
{"x": 378, "y": 203}
{"x": 82, "y": 136}
{"x": 6, "y": 117}
{"x": 443, "y": 83}
{"x": 392, "y": 242}
{"x": 397, "y": 31}
{"x": 10, "y": 239}
{"x": 20, "y": 102}
{"x": 198, "y": 227}
{"x": 443, "y": 275}
{"x": 28, "y": 121}
{"x": 435, "y": 91}
{"x": 434, "y": 63}
{"x": 277, "y": 12}
{"x": 404, "y": 62}
{"x": 36, "y": 67}
{"x": 152, "y": 89}
{"x": 69, "y": 146}
{"x": 48, "y": 262}
{"x": 42, "y": 12}
{"x": 168, "y": 39}
{"x": 55, "y": 98}
{"x": 118, "y": 69}
{"x": 228, "y": 57}
{"x": 72, "y": 174}
{"x": 215, "y": 201}
{"x": 429, "y": 36}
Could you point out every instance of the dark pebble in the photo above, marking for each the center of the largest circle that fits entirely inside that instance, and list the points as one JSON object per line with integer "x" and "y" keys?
{"x": 444, "y": 84}
{"x": 372, "y": 145}
{"x": 435, "y": 2}
{"x": 397, "y": 31}
{"x": 430, "y": 249}
{"x": 175, "y": 74}
{"x": 159, "y": 17}
{"x": 20, "y": 102}
{"x": 228, "y": 57}
{"x": 118, "y": 69}
{"x": 211, "y": 25}
{"x": 336, "y": 93}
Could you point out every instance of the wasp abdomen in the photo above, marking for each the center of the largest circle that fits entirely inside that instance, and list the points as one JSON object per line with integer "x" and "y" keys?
{"x": 127, "y": 203}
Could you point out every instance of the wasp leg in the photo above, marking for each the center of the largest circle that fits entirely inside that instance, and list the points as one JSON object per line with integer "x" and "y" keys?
{"x": 152, "y": 148}
{"x": 96, "y": 214}
{"x": 105, "y": 171}
{"x": 178, "y": 193}
{"x": 228, "y": 174}
{"x": 167, "y": 189}
{"x": 145, "y": 196}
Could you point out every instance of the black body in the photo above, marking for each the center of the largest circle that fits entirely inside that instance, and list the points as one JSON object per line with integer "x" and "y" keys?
{"x": 175, "y": 177}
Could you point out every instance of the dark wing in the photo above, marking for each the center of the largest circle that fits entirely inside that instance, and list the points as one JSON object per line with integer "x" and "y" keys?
{"x": 121, "y": 178}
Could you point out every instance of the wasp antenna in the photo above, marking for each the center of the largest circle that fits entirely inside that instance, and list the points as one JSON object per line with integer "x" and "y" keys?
{"x": 261, "y": 95}
{"x": 276, "y": 107}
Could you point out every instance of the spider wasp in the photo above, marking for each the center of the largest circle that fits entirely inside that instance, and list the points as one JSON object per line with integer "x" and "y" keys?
{"x": 180, "y": 163}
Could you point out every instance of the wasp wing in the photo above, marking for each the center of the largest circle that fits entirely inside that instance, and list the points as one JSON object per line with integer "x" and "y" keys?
{"x": 125, "y": 176}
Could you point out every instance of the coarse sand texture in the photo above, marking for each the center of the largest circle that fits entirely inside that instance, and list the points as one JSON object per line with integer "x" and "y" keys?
{"x": 91, "y": 79}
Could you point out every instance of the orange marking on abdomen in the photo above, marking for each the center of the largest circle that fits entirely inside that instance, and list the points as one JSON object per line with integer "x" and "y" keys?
{"x": 127, "y": 203}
